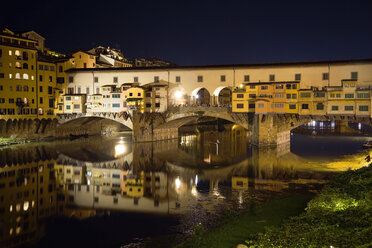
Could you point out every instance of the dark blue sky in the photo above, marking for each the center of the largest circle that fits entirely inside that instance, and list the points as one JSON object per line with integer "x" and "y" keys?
{"x": 202, "y": 32}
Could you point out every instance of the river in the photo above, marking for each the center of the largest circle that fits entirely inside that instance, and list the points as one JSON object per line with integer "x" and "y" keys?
{"x": 108, "y": 192}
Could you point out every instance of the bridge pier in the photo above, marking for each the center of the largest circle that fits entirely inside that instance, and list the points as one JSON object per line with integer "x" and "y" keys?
{"x": 266, "y": 132}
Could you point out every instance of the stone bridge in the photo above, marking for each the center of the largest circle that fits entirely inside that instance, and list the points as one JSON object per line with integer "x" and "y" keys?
{"x": 262, "y": 129}
{"x": 123, "y": 118}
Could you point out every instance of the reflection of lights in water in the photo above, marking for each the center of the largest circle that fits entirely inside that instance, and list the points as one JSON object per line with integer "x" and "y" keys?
{"x": 194, "y": 191}
{"x": 25, "y": 206}
{"x": 88, "y": 182}
{"x": 333, "y": 124}
{"x": 314, "y": 123}
{"x": 240, "y": 197}
{"x": 359, "y": 126}
{"x": 178, "y": 183}
{"x": 196, "y": 180}
{"x": 120, "y": 149}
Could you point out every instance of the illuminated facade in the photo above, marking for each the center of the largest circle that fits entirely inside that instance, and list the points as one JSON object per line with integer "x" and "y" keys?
{"x": 347, "y": 99}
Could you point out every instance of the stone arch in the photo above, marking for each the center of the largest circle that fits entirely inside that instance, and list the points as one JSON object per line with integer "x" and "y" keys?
{"x": 2, "y": 126}
{"x": 200, "y": 96}
{"x": 222, "y": 96}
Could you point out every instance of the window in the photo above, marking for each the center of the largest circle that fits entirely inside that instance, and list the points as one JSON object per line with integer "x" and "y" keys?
{"x": 41, "y": 78}
{"x": 116, "y": 105}
{"x": 294, "y": 96}
{"x": 156, "y": 79}
{"x": 25, "y": 66}
{"x": 288, "y": 86}
{"x": 279, "y": 86}
{"x": 68, "y": 107}
{"x": 41, "y": 100}
{"x": 138, "y": 94}
{"x": 305, "y": 106}
{"x": 279, "y": 95}
{"x": 325, "y": 76}
{"x": 305, "y": 94}
{"x": 264, "y": 87}
{"x": 252, "y": 86}
{"x": 294, "y": 86}
{"x": 51, "y": 68}
{"x": 240, "y": 105}
{"x": 334, "y": 108}
{"x": 279, "y": 105}
{"x": 79, "y": 90}
{"x": 157, "y": 105}
{"x": 251, "y": 105}
{"x": 50, "y": 79}
{"x": 200, "y": 79}
{"x": 349, "y": 108}
{"x": 68, "y": 98}
{"x": 246, "y": 78}
{"x": 97, "y": 90}
{"x": 135, "y": 79}
{"x": 19, "y": 88}
{"x": 60, "y": 80}
{"x": 76, "y": 106}
{"x": 261, "y": 105}
{"x": 349, "y": 95}
{"x": 18, "y": 75}
{"x": 60, "y": 68}
{"x": 338, "y": 95}
{"x": 239, "y": 95}
{"x": 178, "y": 79}
{"x": 320, "y": 94}
{"x": 252, "y": 95}
{"x": 292, "y": 106}
{"x": 363, "y": 108}
{"x": 10, "y": 52}
{"x": 41, "y": 89}
{"x": 130, "y": 94}
{"x": 223, "y": 78}
{"x": 115, "y": 95}
{"x": 1, "y": 75}
{"x": 51, "y": 103}
{"x": 115, "y": 79}
{"x": 95, "y": 79}
{"x": 288, "y": 96}
{"x": 87, "y": 90}
{"x": 1, "y": 53}
{"x": 70, "y": 79}
{"x": 298, "y": 77}
{"x": 50, "y": 90}
{"x": 148, "y": 105}
{"x": 354, "y": 75}
{"x": 272, "y": 77}
{"x": 363, "y": 95}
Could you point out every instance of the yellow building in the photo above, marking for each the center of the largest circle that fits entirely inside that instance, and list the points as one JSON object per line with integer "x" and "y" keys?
{"x": 18, "y": 86}
{"x": 134, "y": 98}
{"x": 74, "y": 103}
{"x": 240, "y": 99}
{"x": 291, "y": 94}
{"x": 83, "y": 60}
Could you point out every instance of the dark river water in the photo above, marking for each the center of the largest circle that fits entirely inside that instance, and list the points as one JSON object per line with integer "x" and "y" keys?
{"x": 108, "y": 192}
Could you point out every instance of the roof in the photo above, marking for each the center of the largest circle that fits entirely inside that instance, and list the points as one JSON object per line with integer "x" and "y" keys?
{"x": 84, "y": 52}
{"x": 228, "y": 66}
{"x": 109, "y": 85}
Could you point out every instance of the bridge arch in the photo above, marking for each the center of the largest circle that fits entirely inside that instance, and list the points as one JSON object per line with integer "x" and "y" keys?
{"x": 200, "y": 97}
{"x": 222, "y": 96}
{"x": 82, "y": 119}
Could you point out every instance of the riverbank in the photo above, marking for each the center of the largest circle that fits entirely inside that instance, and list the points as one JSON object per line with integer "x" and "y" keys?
{"x": 236, "y": 227}
{"x": 13, "y": 141}
{"x": 340, "y": 216}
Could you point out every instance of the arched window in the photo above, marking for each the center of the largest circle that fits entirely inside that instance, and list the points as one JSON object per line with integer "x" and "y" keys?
{"x": 32, "y": 77}
{"x": 25, "y": 66}
{"x": 17, "y": 53}
{"x": 18, "y": 76}
{"x": 18, "y": 65}
{"x": 25, "y": 76}
{"x": 25, "y": 88}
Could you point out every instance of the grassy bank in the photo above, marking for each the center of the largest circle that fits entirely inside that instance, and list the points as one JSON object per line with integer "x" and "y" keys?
{"x": 340, "y": 216}
{"x": 236, "y": 227}
{"x": 11, "y": 141}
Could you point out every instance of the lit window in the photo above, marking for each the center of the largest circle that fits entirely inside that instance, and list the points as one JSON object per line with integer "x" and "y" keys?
{"x": 10, "y": 52}
{"x": 25, "y": 76}
{"x": 18, "y": 207}
{"x": 25, "y": 206}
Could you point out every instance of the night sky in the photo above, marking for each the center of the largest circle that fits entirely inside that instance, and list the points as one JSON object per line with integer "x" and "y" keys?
{"x": 202, "y": 32}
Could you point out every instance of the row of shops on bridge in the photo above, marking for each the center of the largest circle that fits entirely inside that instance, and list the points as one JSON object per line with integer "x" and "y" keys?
{"x": 287, "y": 97}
